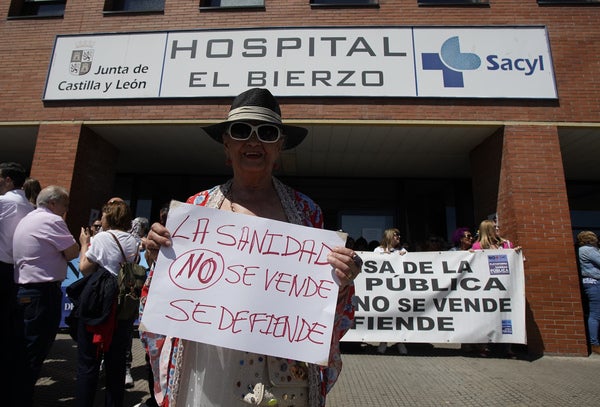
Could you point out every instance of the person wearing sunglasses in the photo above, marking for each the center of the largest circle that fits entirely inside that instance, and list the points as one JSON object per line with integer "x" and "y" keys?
{"x": 96, "y": 227}
{"x": 390, "y": 242}
{"x": 191, "y": 373}
{"x": 489, "y": 239}
{"x": 462, "y": 239}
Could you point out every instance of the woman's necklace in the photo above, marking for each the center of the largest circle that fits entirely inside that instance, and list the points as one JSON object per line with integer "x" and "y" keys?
{"x": 265, "y": 209}
{"x": 231, "y": 201}
{"x": 238, "y": 208}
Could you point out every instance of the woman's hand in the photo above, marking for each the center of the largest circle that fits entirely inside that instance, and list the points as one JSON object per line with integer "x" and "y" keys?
{"x": 85, "y": 265}
{"x": 519, "y": 249}
{"x": 85, "y": 237}
{"x": 157, "y": 237}
{"x": 346, "y": 264}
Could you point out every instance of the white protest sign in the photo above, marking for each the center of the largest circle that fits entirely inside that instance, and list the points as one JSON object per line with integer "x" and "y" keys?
{"x": 440, "y": 297}
{"x": 246, "y": 283}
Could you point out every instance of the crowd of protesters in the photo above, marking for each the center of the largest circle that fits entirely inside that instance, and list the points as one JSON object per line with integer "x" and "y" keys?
{"x": 36, "y": 246}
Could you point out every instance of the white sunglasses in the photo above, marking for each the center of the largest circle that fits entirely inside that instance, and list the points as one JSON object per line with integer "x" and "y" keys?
{"x": 266, "y": 133}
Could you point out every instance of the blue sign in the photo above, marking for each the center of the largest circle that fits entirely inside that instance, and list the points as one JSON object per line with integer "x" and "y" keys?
{"x": 67, "y": 305}
{"x": 74, "y": 275}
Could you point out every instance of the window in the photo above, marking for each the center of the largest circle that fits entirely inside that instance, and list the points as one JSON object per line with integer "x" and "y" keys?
{"x": 37, "y": 8}
{"x": 134, "y": 6}
{"x": 568, "y": 1}
{"x": 232, "y": 3}
{"x": 344, "y": 3}
{"x": 452, "y": 2}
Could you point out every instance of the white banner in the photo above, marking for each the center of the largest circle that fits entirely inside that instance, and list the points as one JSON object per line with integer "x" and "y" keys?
{"x": 246, "y": 283}
{"x": 441, "y": 297}
{"x": 480, "y": 62}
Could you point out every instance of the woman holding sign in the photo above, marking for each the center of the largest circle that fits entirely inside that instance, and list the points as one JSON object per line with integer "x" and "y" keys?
{"x": 390, "y": 243}
{"x": 490, "y": 239}
{"x": 191, "y": 373}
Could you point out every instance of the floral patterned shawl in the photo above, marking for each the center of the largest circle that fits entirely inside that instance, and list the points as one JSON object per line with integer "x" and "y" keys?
{"x": 166, "y": 353}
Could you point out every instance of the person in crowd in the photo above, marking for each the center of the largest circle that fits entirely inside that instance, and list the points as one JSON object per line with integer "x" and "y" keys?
{"x": 462, "y": 239}
{"x": 32, "y": 188}
{"x": 350, "y": 347}
{"x": 13, "y": 207}
{"x": 588, "y": 255}
{"x": 42, "y": 246}
{"x": 105, "y": 254}
{"x": 435, "y": 243}
{"x": 163, "y": 213}
{"x": 350, "y": 242}
{"x": 489, "y": 238}
{"x": 139, "y": 229}
{"x": 191, "y": 373}
{"x": 361, "y": 245}
{"x": 390, "y": 243}
{"x": 373, "y": 244}
{"x": 95, "y": 228}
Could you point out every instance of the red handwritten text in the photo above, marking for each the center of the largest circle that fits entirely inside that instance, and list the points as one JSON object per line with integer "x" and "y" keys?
{"x": 196, "y": 314}
{"x": 307, "y": 287}
{"x": 289, "y": 328}
{"x": 252, "y": 241}
{"x": 197, "y": 269}
{"x": 242, "y": 273}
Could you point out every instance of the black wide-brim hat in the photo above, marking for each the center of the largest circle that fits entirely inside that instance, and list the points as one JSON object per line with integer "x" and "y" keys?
{"x": 257, "y": 104}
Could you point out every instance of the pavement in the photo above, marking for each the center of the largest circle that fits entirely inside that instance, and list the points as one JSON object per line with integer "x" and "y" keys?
{"x": 430, "y": 375}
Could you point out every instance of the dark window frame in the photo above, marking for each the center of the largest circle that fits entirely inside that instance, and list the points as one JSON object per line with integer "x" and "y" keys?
{"x": 343, "y": 3}
{"x": 115, "y": 7}
{"x": 467, "y": 3}
{"x": 206, "y": 5}
{"x": 568, "y": 2}
{"x": 27, "y": 9}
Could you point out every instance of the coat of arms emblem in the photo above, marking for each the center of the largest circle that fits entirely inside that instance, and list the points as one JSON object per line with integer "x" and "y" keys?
{"x": 81, "y": 61}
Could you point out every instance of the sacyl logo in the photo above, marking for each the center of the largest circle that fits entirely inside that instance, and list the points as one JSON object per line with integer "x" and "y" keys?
{"x": 451, "y": 62}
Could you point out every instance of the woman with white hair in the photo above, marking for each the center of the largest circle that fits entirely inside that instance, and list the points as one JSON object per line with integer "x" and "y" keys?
{"x": 191, "y": 373}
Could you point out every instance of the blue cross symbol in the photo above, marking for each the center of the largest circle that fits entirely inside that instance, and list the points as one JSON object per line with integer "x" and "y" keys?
{"x": 451, "y": 62}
